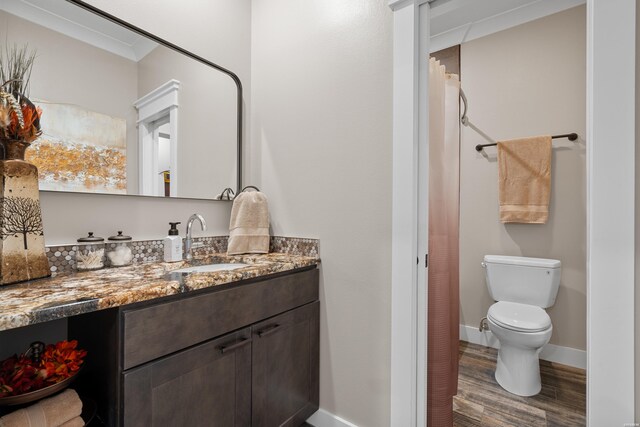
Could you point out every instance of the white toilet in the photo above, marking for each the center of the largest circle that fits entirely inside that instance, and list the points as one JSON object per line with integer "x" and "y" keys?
{"x": 523, "y": 287}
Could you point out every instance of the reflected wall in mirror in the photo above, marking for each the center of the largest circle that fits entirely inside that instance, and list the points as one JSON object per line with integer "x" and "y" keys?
{"x": 123, "y": 113}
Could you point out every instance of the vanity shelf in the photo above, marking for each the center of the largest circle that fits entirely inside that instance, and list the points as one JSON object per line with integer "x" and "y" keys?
{"x": 235, "y": 356}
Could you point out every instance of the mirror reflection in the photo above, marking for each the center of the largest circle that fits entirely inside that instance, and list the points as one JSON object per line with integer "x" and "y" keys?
{"x": 122, "y": 114}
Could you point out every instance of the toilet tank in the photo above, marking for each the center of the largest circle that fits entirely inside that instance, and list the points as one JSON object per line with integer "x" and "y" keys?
{"x": 533, "y": 281}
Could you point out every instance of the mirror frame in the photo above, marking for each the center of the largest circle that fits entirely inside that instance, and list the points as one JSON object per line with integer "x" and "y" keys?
{"x": 234, "y": 77}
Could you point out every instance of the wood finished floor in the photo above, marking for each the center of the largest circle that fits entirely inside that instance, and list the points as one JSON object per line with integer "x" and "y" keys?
{"x": 482, "y": 402}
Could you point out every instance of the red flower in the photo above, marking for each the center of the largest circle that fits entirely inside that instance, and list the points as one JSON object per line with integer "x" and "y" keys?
{"x": 29, "y": 129}
{"x": 19, "y": 374}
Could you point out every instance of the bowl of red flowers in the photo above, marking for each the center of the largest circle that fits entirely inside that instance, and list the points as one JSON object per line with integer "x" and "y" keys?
{"x": 39, "y": 372}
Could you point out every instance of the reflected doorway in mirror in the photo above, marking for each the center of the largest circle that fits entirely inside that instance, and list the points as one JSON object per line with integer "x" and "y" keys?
{"x": 164, "y": 156}
{"x": 158, "y": 139}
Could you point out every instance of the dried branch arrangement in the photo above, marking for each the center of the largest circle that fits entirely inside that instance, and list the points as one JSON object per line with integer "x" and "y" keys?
{"x": 19, "y": 118}
{"x": 16, "y": 64}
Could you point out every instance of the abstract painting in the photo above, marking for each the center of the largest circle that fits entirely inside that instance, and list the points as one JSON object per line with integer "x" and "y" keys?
{"x": 80, "y": 150}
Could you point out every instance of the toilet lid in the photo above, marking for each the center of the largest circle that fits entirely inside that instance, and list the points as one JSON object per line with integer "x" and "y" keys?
{"x": 519, "y": 317}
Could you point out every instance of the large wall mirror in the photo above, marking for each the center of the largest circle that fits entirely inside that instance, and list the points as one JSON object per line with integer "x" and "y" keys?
{"x": 123, "y": 111}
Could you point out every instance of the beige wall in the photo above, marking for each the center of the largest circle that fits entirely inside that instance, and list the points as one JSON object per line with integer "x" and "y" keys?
{"x": 322, "y": 135}
{"x": 218, "y": 30}
{"x": 528, "y": 80}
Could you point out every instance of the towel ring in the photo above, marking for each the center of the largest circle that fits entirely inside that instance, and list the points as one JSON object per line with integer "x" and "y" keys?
{"x": 227, "y": 194}
{"x": 250, "y": 186}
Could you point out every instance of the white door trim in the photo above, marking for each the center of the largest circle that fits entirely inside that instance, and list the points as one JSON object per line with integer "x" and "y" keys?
{"x": 610, "y": 240}
{"x": 423, "y": 215}
{"x": 162, "y": 101}
{"x": 408, "y": 300}
{"x": 610, "y": 211}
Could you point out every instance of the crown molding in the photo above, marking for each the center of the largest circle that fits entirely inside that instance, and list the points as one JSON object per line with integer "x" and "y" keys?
{"x": 399, "y": 4}
{"x": 68, "y": 19}
{"x": 501, "y": 21}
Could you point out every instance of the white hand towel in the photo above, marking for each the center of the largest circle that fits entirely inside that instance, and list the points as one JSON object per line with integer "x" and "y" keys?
{"x": 249, "y": 224}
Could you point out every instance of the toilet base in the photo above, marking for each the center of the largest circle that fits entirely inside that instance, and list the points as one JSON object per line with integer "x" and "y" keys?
{"x": 518, "y": 370}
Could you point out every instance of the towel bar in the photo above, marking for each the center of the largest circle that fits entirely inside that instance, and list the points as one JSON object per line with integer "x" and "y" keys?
{"x": 571, "y": 136}
{"x": 465, "y": 121}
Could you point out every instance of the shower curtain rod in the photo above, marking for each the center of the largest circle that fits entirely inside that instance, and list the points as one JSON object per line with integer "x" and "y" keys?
{"x": 465, "y": 121}
{"x": 571, "y": 136}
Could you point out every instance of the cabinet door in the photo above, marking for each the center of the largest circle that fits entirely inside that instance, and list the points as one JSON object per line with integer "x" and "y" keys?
{"x": 286, "y": 368}
{"x": 206, "y": 385}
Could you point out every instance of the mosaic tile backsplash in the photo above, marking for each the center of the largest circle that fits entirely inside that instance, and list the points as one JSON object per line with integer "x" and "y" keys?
{"x": 62, "y": 259}
{"x": 295, "y": 246}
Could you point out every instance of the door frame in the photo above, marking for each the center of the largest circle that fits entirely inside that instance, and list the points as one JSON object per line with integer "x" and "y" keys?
{"x": 409, "y": 210}
{"x": 160, "y": 102}
{"x": 610, "y": 232}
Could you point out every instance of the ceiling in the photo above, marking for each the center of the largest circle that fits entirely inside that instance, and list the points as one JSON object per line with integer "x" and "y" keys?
{"x": 457, "y": 21}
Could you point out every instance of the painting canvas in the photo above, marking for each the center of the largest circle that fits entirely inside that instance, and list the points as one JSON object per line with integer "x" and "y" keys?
{"x": 80, "y": 150}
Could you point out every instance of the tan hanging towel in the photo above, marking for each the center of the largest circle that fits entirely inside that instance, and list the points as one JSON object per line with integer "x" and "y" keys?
{"x": 524, "y": 176}
{"x": 249, "y": 225}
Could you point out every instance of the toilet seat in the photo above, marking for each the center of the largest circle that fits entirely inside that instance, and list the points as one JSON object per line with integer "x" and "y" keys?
{"x": 519, "y": 317}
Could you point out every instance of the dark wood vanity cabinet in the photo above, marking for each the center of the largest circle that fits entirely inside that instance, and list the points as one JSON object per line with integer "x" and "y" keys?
{"x": 241, "y": 355}
{"x": 209, "y": 384}
{"x": 285, "y": 368}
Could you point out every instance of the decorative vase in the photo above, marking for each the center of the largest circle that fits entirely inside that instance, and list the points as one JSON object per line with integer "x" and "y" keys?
{"x": 22, "y": 251}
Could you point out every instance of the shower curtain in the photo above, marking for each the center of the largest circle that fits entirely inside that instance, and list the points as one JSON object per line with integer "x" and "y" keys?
{"x": 443, "y": 272}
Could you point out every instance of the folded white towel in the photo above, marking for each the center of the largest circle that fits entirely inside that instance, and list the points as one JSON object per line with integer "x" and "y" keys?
{"x": 249, "y": 224}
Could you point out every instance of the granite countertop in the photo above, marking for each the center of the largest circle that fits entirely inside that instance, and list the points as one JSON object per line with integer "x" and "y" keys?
{"x": 57, "y": 297}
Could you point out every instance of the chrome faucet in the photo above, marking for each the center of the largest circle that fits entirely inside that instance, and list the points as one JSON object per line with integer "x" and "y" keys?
{"x": 188, "y": 241}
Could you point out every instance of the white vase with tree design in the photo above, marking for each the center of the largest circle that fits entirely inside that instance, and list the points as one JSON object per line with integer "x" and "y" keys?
{"x": 22, "y": 250}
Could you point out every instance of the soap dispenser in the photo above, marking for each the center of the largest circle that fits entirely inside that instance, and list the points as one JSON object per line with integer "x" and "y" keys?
{"x": 173, "y": 244}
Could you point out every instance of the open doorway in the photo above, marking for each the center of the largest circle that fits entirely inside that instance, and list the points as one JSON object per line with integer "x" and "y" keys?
{"x": 162, "y": 137}
{"x": 524, "y": 81}
{"x": 610, "y": 148}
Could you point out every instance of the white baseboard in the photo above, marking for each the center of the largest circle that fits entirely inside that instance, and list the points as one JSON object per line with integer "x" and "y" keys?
{"x": 474, "y": 336}
{"x": 553, "y": 353}
{"x": 323, "y": 418}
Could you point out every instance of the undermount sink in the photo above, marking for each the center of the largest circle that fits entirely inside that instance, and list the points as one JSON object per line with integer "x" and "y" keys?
{"x": 209, "y": 268}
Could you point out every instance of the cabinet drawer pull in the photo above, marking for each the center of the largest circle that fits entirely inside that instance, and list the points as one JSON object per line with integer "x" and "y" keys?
{"x": 268, "y": 330}
{"x": 227, "y": 348}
